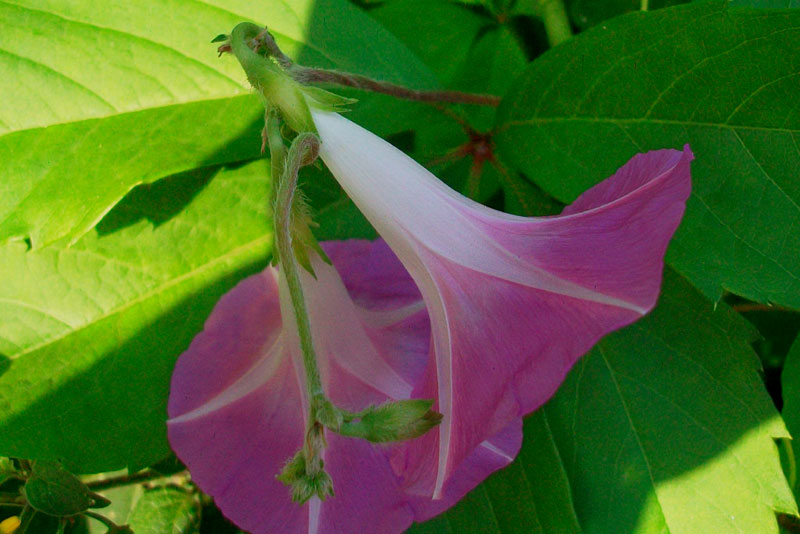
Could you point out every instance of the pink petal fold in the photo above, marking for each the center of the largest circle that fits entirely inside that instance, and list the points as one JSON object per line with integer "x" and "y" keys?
{"x": 513, "y": 301}
{"x": 237, "y": 405}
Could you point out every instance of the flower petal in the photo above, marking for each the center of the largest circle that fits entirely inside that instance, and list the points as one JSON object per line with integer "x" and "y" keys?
{"x": 491, "y": 455}
{"x": 237, "y": 406}
{"x": 235, "y": 409}
{"x": 513, "y": 301}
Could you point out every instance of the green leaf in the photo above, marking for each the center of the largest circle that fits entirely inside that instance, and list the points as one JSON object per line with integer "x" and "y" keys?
{"x": 664, "y": 427}
{"x": 53, "y": 490}
{"x": 439, "y": 32}
{"x": 722, "y": 80}
{"x": 89, "y": 347}
{"x": 165, "y": 510}
{"x": 107, "y": 96}
{"x": 33, "y": 522}
{"x": 767, "y": 4}
{"x": 790, "y": 384}
{"x": 123, "y": 499}
{"x": 587, "y": 13}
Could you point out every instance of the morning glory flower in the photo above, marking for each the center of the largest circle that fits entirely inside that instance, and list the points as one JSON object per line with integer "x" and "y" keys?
{"x": 237, "y": 403}
{"x": 513, "y": 301}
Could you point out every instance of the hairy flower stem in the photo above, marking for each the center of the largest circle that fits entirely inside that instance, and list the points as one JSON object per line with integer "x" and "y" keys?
{"x": 125, "y": 480}
{"x": 304, "y": 473}
{"x": 306, "y": 75}
{"x": 303, "y": 151}
{"x": 259, "y": 40}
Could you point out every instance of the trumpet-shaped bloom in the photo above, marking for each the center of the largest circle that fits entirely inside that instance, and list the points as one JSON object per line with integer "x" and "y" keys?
{"x": 513, "y": 301}
{"x": 237, "y": 403}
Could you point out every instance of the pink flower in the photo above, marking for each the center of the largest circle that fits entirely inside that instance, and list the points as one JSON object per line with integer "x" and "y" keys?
{"x": 513, "y": 301}
{"x": 237, "y": 405}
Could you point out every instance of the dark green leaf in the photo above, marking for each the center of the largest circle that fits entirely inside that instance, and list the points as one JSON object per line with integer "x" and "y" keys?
{"x": 53, "y": 490}
{"x": 439, "y": 32}
{"x": 768, "y": 4}
{"x": 587, "y": 13}
{"x": 723, "y": 80}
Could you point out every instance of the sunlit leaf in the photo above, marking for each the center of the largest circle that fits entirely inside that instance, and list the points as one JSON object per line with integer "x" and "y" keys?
{"x": 110, "y": 95}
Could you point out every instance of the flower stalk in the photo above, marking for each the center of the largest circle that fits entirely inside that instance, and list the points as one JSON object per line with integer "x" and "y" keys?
{"x": 285, "y": 99}
{"x": 253, "y": 46}
{"x": 303, "y": 151}
{"x": 305, "y": 472}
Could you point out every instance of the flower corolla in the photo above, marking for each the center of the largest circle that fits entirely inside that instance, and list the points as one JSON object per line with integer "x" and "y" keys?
{"x": 513, "y": 301}
{"x": 238, "y": 402}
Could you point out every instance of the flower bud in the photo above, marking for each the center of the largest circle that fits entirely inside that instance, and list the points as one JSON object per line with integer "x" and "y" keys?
{"x": 393, "y": 421}
{"x": 327, "y": 414}
{"x": 305, "y": 485}
{"x": 276, "y": 86}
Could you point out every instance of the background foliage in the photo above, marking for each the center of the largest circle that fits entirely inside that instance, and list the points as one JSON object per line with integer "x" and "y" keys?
{"x": 133, "y": 195}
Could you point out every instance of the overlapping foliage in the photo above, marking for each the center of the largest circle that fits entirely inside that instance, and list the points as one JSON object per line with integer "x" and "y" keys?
{"x": 133, "y": 196}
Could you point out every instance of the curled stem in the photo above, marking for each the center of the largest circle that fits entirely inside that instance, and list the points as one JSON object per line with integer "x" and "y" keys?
{"x": 303, "y": 151}
{"x": 124, "y": 480}
{"x": 112, "y": 527}
{"x": 304, "y": 473}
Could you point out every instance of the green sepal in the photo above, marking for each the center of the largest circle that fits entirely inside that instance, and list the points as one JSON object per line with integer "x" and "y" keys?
{"x": 392, "y": 421}
{"x": 220, "y": 38}
{"x": 326, "y": 101}
{"x": 304, "y": 485}
{"x": 98, "y": 501}
{"x": 275, "y": 86}
{"x": 327, "y": 414}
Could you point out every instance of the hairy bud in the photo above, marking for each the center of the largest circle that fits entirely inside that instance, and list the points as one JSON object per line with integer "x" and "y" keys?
{"x": 393, "y": 421}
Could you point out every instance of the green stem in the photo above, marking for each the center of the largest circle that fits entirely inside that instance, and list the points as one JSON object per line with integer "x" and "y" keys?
{"x": 302, "y": 151}
{"x": 556, "y": 22}
{"x": 123, "y": 480}
{"x": 645, "y": 5}
{"x": 251, "y": 36}
{"x": 306, "y": 75}
{"x": 109, "y": 524}
{"x": 277, "y": 149}
{"x": 9, "y": 497}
